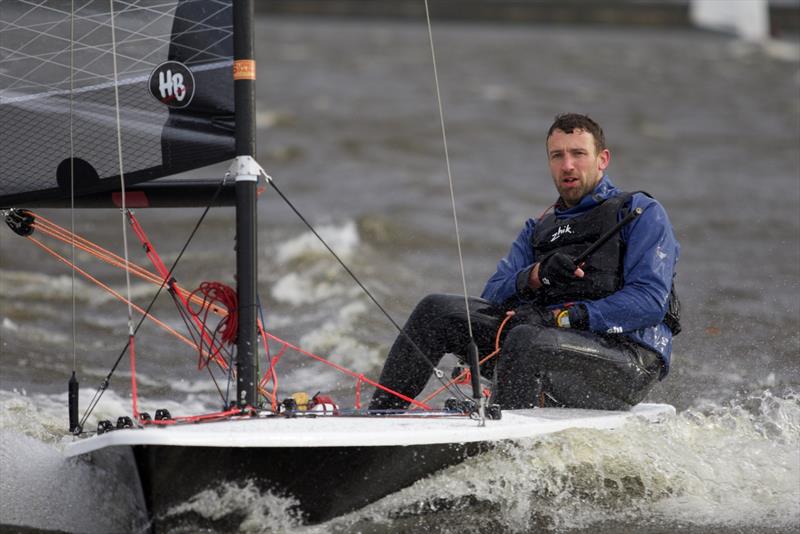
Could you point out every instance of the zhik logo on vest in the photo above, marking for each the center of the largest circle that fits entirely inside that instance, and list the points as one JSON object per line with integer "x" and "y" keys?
{"x": 172, "y": 84}
{"x": 561, "y": 231}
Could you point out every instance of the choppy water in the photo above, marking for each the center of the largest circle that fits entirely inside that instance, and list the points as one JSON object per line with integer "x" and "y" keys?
{"x": 348, "y": 127}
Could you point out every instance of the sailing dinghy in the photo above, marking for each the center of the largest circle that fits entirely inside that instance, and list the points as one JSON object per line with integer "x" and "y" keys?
{"x": 142, "y": 92}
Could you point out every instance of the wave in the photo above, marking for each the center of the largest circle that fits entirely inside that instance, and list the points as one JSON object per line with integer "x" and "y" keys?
{"x": 733, "y": 465}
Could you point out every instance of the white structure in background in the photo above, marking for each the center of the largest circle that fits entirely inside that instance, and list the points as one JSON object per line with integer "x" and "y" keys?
{"x": 748, "y": 19}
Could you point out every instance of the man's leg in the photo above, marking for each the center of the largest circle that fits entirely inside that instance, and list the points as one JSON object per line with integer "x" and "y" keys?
{"x": 436, "y": 326}
{"x": 551, "y": 366}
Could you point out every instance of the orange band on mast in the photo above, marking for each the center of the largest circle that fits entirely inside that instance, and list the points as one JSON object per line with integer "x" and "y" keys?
{"x": 244, "y": 69}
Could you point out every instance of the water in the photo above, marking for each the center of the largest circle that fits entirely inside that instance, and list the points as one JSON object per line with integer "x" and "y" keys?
{"x": 348, "y": 128}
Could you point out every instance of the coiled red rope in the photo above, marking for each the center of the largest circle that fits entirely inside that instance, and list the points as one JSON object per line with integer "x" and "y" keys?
{"x": 221, "y": 296}
{"x": 210, "y": 298}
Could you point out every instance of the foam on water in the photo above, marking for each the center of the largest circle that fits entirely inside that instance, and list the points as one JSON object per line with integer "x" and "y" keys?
{"x": 33, "y": 285}
{"x": 313, "y": 285}
{"x": 329, "y": 338}
{"x": 41, "y": 336}
{"x": 42, "y": 489}
{"x": 732, "y": 465}
{"x": 310, "y": 278}
{"x": 310, "y": 274}
{"x": 25, "y": 286}
{"x": 255, "y": 510}
{"x": 343, "y": 239}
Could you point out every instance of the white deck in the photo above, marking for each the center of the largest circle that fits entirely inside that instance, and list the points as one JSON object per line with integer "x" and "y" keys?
{"x": 342, "y": 431}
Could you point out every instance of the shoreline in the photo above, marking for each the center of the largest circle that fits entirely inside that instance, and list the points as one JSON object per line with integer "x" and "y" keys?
{"x": 657, "y": 13}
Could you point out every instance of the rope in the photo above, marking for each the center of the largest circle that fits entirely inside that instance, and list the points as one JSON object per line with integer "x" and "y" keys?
{"x": 417, "y": 351}
{"x": 146, "y": 312}
{"x": 47, "y": 227}
{"x": 113, "y": 293}
{"x": 351, "y": 373}
{"x": 270, "y": 374}
{"x": 464, "y": 376}
{"x": 42, "y": 225}
{"x": 134, "y": 389}
{"x": 359, "y": 380}
{"x": 226, "y": 298}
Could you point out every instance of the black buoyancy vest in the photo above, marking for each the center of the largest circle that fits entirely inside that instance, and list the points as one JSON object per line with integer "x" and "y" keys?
{"x": 572, "y": 236}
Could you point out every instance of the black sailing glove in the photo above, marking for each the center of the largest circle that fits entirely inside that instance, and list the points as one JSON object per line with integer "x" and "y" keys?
{"x": 556, "y": 269}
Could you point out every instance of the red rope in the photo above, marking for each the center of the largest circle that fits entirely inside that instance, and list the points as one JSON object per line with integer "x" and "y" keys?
{"x": 210, "y": 297}
{"x": 465, "y": 375}
{"x": 216, "y": 295}
{"x": 358, "y": 390}
{"x": 350, "y": 373}
{"x": 193, "y": 418}
{"x": 134, "y": 391}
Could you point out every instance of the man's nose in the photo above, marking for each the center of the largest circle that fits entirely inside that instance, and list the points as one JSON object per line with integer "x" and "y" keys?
{"x": 568, "y": 163}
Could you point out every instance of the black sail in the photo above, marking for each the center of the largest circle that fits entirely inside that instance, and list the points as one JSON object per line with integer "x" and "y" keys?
{"x": 58, "y": 114}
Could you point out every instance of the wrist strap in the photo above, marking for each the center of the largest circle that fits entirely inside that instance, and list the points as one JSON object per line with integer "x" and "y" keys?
{"x": 562, "y": 319}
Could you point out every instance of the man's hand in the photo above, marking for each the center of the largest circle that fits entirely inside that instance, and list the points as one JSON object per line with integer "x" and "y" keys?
{"x": 557, "y": 269}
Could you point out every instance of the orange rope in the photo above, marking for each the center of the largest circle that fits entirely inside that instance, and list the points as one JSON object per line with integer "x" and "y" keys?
{"x": 47, "y": 227}
{"x": 194, "y": 418}
{"x": 134, "y": 390}
{"x": 57, "y": 232}
{"x": 358, "y": 391}
{"x": 350, "y": 373}
{"x": 113, "y": 293}
{"x": 51, "y": 229}
{"x": 460, "y": 379}
{"x": 270, "y": 374}
{"x": 220, "y": 361}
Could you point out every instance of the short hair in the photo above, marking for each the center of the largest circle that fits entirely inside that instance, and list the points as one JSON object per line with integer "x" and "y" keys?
{"x": 569, "y": 122}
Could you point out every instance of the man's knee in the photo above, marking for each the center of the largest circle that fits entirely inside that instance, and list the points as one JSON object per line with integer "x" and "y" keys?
{"x": 531, "y": 341}
{"x": 433, "y": 305}
{"x": 523, "y": 335}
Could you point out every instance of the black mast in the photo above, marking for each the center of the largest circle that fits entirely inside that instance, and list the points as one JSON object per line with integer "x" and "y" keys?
{"x": 246, "y": 217}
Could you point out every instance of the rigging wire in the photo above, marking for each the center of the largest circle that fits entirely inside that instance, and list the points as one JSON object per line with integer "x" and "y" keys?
{"x": 132, "y": 331}
{"x": 471, "y": 354}
{"x": 123, "y": 209}
{"x": 72, "y": 176}
{"x": 438, "y": 373}
{"x": 73, "y": 386}
{"x": 449, "y": 173}
{"x": 146, "y": 312}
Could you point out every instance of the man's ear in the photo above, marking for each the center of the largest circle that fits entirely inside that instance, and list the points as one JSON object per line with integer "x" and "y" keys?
{"x": 604, "y": 158}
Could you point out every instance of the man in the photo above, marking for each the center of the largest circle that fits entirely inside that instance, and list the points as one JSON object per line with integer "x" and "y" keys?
{"x": 593, "y": 335}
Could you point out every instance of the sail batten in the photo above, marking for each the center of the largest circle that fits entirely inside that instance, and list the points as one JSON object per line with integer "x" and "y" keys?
{"x": 175, "y": 60}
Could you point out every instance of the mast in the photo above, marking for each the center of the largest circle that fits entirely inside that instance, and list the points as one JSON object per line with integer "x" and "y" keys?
{"x": 244, "y": 75}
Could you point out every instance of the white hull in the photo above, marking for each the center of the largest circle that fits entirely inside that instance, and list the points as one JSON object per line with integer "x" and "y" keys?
{"x": 344, "y": 431}
{"x": 356, "y": 459}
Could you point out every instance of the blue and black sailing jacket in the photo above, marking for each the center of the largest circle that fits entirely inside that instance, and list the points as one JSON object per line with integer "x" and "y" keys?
{"x": 650, "y": 254}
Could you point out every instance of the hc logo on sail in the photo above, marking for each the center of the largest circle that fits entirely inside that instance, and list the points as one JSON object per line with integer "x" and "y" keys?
{"x": 172, "y": 84}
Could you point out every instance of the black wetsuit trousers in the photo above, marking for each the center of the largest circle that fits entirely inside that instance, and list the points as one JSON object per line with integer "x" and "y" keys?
{"x": 539, "y": 365}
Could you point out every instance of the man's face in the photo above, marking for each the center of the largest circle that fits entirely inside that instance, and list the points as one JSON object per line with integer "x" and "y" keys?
{"x": 575, "y": 165}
